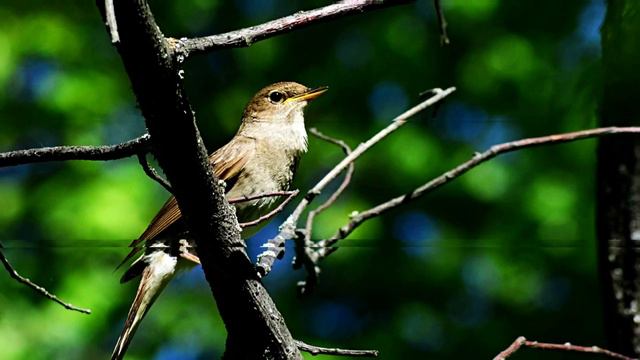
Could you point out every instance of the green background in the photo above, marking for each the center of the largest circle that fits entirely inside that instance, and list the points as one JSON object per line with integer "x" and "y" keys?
{"x": 506, "y": 250}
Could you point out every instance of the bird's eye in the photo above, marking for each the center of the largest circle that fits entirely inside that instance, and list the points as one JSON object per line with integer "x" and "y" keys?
{"x": 276, "y": 97}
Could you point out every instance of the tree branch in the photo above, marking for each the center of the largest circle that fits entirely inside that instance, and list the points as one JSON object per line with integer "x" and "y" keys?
{"x": 39, "y": 289}
{"x": 63, "y": 153}
{"x": 326, "y": 247}
{"x": 303, "y": 250}
{"x": 247, "y": 36}
{"x": 317, "y": 350}
{"x": 275, "y": 247}
{"x": 112, "y": 25}
{"x": 152, "y": 173}
{"x": 243, "y": 303}
{"x": 271, "y": 213}
{"x": 522, "y": 341}
{"x": 263, "y": 195}
{"x": 618, "y": 179}
{"x": 442, "y": 23}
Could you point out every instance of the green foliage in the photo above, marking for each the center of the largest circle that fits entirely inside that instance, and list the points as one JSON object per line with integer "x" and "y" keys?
{"x": 506, "y": 250}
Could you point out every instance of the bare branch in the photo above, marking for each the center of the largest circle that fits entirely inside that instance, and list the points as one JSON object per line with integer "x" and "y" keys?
{"x": 247, "y": 36}
{"x": 39, "y": 289}
{"x": 442, "y": 22}
{"x": 63, "y": 153}
{"x": 272, "y": 213}
{"x": 275, "y": 246}
{"x": 522, "y": 341}
{"x": 152, "y": 173}
{"x": 317, "y": 350}
{"x": 326, "y": 247}
{"x": 263, "y": 195}
{"x": 303, "y": 250}
{"x": 345, "y": 181}
{"x": 112, "y": 25}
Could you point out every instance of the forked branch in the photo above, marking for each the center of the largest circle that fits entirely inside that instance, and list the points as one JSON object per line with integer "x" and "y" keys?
{"x": 304, "y": 251}
{"x": 275, "y": 247}
{"x": 327, "y": 246}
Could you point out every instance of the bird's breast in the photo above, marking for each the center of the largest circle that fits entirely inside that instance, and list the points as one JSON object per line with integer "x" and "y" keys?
{"x": 266, "y": 173}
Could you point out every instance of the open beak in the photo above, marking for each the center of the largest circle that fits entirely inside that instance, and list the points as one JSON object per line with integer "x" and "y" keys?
{"x": 309, "y": 94}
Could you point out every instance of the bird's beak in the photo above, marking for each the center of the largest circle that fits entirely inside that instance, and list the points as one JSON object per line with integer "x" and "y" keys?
{"x": 309, "y": 94}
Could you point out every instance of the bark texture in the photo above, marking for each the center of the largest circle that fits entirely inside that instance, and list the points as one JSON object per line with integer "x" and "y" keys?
{"x": 618, "y": 192}
{"x": 256, "y": 330}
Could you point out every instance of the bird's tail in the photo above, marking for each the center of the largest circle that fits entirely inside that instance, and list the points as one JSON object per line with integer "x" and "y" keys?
{"x": 155, "y": 276}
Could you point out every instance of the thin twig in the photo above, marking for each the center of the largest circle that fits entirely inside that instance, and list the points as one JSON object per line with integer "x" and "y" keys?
{"x": 317, "y": 350}
{"x": 247, "y": 36}
{"x": 303, "y": 251}
{"x": 343, "y": 185}
{"x": 152, "y": 173}
{"x": 275, "y": 247}
{"x": 442, "y": 22}
{"x": 262, "y": 195}
{"x": 522, "y": 341}
{"x": 110, "y": 15}
{"x": 42, "y": 291}
{"x": 63, "y": 153}
{"x": 326, "y": 247}
{"x": 271, "y": 213}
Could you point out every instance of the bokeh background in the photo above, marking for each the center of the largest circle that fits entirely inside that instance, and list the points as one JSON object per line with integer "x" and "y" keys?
{"x": 506, "y": 250}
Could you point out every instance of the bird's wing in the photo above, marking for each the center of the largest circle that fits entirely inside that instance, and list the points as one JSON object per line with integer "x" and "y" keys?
{"x": 227, "y": 163}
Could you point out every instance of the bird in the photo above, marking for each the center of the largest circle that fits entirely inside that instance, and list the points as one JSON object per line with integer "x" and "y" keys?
{"x": 261, "y": 158}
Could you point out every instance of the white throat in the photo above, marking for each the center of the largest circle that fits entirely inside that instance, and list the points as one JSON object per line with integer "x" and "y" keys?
{"x": 288, "y": 131}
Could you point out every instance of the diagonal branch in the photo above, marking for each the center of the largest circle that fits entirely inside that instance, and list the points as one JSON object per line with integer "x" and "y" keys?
{"x": 275, "y": 247}
{"x": 39, "y": 289}
{"x": 262, "y": 195}
{"x": 247, "y": 36}
{"x": 345, "y": 182}
{"x": 304, "y": 252}
{"x": 326, "y": 247}
{"x": 63, "y": 153}
{"x": 523, "y": 342}
{"x": 271, "y": 213}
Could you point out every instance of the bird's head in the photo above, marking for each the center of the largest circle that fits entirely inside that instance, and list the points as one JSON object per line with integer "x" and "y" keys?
{"x": 275, "y": 114}
{"x": 280, "y": 103}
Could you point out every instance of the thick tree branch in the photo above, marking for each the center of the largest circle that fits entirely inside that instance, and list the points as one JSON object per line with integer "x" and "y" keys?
{"x": 317, "y": 350}
{"x": 523, "y": 342}
{"x": 62, "y": 153}
{"x": 326, "y": 247}
{"x": 39, "y": 289}
{"x": 247, "y": 36}
{"x": 275, "y": 247}
{"x": 618, "y": 179}
{"x": 244, "y": 305}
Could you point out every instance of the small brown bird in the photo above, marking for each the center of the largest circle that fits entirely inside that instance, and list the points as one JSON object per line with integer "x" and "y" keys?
{"x": 261, "y": 158}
